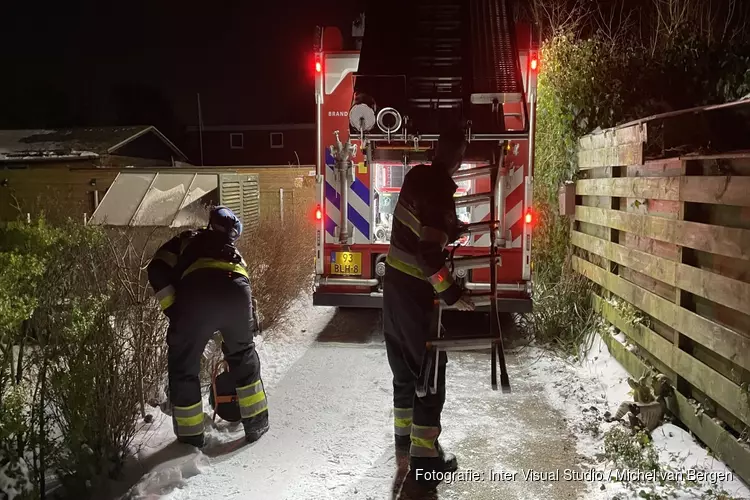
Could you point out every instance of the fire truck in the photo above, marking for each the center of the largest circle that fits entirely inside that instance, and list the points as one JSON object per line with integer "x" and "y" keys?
{"x": 379, "y": 109}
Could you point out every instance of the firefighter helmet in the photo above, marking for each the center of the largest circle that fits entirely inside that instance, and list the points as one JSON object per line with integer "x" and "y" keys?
{"x": 222, "y": 219}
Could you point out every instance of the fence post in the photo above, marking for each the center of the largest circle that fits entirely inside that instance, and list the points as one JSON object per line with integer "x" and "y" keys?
{"x": 281, "y": 203}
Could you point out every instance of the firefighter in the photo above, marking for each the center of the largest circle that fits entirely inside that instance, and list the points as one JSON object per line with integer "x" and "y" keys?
{"x": 202, "y": 285}
{"x": 424, "y": 223}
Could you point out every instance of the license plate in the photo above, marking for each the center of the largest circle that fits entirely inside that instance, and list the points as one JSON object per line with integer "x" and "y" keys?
{"x": 346, "y": 263}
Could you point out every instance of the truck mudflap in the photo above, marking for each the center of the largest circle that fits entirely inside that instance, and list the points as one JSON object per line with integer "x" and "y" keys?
{"x": 374, "y": 300}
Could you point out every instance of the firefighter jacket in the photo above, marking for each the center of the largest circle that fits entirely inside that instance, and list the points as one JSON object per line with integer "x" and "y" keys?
{"x": 186, "y": 253}
{"x": 424, "y": 222}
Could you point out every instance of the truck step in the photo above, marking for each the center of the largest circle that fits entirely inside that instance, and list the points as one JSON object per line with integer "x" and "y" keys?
{"x": 463, "y": 344}
{"x": 479, "y": 300}
{"x": 476, "y": 262}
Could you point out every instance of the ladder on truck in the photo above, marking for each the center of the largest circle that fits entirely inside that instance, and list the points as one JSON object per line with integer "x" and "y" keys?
{"x": 495, "y": 79}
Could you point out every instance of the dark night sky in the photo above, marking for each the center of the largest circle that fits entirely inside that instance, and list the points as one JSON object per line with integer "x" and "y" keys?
{"x": 99, "y": 62}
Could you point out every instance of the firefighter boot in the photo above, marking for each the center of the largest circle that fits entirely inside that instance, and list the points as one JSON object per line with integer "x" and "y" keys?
{"x": 428, "y": 472}
{"x": 255, "y": 427}
{"x": 196, "y": 441}
{"x": 402, "y": 442}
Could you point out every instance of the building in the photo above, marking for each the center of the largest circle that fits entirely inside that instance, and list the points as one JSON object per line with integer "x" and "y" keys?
{"x": 137, "y": 146}
{"x": 281, "y": 144}
{"x": 66, "y": 172}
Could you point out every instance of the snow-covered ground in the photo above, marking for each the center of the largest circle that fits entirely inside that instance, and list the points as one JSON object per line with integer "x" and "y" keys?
{"x": 331, "y": 435}
{"x": 586, "y": 390}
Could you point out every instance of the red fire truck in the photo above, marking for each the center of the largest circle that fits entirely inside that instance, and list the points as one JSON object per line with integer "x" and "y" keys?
{"x": 378, "y": 109}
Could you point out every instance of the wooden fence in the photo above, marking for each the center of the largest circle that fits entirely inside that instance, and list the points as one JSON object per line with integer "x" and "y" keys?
{"x": 662, "y": 225}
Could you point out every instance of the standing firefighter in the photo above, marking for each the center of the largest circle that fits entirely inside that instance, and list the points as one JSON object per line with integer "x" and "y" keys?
{"x": 202, "y": 285}
{"x": 424, "y": 223}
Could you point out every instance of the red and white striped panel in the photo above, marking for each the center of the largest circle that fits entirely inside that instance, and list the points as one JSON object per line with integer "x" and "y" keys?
{"x": 514, "y": 207}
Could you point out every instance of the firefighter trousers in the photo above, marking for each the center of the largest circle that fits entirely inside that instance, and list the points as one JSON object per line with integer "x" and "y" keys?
{"x": 409, "y": 316}
{"x": 208, "y": 301}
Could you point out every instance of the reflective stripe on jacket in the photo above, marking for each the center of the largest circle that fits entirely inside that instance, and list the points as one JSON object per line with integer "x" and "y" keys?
{"x": 188, "y": 252}
{"x": 424, "y": 223}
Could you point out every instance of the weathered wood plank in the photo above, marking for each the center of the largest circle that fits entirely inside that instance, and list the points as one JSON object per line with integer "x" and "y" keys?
{"x": 727, "y": 241}
{"x": 718, "y": 190}
{"x": 661, "y": 289}
{"x": 659, "y": 188}
{"x": 666, "y": 167}
{"x": 716, "y": 386}
{"x": 725, "y": 342}
{"x": 614, "y": 156}
{"x": 722, "y": 443}
{"x": 720, "y": 289}
{"x": 629, "y": 257}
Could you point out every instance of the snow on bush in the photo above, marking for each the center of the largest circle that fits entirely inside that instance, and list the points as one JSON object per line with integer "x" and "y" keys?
{"x": 15, "y": 482}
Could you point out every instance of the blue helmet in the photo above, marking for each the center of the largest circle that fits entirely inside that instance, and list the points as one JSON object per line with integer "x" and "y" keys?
{"x": 223, "y": 220}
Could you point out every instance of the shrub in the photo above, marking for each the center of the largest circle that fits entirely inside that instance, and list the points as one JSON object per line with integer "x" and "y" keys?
{"x": 628, "y": 450}
{"x": 280, "y": 258}
{"x": 89, "y": 344}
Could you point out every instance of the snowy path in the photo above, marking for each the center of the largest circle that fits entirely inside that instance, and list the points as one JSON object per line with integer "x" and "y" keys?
{"x": 332, "y": 438}
{"x": 329, "y": 392}
{"x": 331, "y": 428}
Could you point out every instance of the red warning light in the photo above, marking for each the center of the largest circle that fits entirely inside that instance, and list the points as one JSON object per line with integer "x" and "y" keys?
{"x": 318, "y": 214}
{"x": 318, "y": 67}
{"x": 534, "y": 63}
{"x": 528, "y": 217}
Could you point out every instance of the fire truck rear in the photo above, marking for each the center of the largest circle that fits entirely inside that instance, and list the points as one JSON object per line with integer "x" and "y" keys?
{"x": 379, "y": 112}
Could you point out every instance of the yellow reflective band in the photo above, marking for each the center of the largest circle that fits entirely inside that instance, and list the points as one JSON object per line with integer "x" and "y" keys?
{"x": 423, "y": 443}
{"x": 407, "y": 218}
{"x": 189, "y": 416}
{"x": 255, "y": 413}
{"x": 215, "y": 264}
{"x": 167, "y": 257}
{"x": 253, "y": 399}
{"x": 402, "y": 422}
{"x": 166, "y": 296}
{"x": 189, "y": 421}
{"x": 166, "y": 302}
{"x": 404, "y": 267}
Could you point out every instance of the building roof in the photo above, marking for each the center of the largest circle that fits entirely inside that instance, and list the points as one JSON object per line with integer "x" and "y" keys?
{"x": 73, "y": 143}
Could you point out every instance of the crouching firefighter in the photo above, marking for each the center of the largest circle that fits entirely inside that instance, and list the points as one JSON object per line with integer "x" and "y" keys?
{"x": 202, "y": 285}
{"x": 425, "y": 222}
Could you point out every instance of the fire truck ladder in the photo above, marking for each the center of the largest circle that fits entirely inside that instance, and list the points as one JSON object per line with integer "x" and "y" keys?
{"x": 495, "y": 80}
